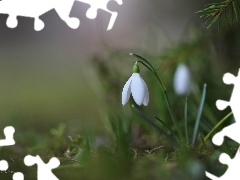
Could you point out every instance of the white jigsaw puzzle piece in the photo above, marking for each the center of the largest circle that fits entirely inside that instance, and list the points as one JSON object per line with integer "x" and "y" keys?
{"x": 18, "y": 176}
{"x": 44, "y": 171}
{"x": 8, "y": 133}
{"x": 36, "y": 8}
{"x": 3, "y": 165}
{"x": 235, "y": 98}
{"x": 232, "y": 172}
{"x": 101, "y": 4}
{"x": 231, "y": 131}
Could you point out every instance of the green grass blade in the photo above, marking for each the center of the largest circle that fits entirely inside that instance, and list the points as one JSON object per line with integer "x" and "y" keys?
{"x": 204, "y": 119}
{"x": 214, "y": 20}
{"x": 87, "y": 142}
{"x": 202, "y": 140}
{"x": 185, "y": 120}
{"x": 199, "y": 115}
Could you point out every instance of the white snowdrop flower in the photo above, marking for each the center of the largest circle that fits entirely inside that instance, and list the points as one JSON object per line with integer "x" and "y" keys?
{"x": 182, "y": 80}
{"x": 137, "y": 87}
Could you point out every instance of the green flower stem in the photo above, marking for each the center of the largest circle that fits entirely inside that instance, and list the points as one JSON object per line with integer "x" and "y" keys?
{"x": 150, "y": 67}
{"x": 215, "y": 128}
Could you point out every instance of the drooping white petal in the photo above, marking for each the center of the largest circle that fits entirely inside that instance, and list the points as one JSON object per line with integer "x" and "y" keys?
{"x": 126, "y": 91}
{"x": 137, "y": 88}
{"x": 182, "y": 80}
{"x": 146, "y": 96}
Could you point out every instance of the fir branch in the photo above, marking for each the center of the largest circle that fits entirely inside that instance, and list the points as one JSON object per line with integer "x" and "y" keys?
{"x": 214, "y": 11}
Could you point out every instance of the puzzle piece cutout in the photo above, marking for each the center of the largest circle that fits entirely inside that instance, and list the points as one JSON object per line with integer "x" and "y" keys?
{"x": 234, "y": 100}
{"x": 36, "y": 8}
{"x": 8, "y": 133}
{"x": 44, "y": 170}
{"x": 18, "y": 176}
{"x": 3, "y": 165}
{"x": 231, "y": 131}
{"x": 101, "y": 4}
{"x": 233, "y": 167}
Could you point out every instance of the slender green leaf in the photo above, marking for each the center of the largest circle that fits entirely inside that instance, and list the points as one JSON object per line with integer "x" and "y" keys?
{"x": 214, "y": 20}
{"x": 185, "y": 120}
{"x": 202, "y": 140}
{"x": 204, "y": 121}
{"x": 199, "y": 114}
{"x": 208, "y": 20}
{"x": 87, "y": 142}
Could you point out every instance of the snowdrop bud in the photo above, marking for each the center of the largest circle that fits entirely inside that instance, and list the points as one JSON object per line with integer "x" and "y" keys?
{"x": 182, "y": 80}
{"x": 136, "y": 68}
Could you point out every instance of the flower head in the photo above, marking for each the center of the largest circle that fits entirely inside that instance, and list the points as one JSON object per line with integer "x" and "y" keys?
{"x": 137, "y": 87}
{"x": 182, "y": 80}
